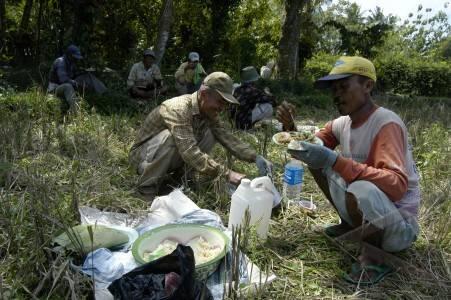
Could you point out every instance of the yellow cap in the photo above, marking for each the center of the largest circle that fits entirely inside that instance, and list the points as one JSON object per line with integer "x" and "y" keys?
{"x": 346, "y": 66}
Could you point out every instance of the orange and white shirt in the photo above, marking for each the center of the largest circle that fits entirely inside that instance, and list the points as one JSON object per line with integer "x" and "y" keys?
{"x": 376, "y": 149}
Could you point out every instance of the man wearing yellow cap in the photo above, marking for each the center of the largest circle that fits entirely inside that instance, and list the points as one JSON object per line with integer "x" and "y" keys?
{"x": 182, "y": 131}
{"x": 372, "y": 182}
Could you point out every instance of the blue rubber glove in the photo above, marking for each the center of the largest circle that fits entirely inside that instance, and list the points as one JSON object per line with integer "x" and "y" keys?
{"x": 315, "y": 156}
{"x": 264, "y": 166}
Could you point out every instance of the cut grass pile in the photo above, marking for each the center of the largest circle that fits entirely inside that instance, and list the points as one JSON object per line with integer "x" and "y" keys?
{"x": 49, "y": 168}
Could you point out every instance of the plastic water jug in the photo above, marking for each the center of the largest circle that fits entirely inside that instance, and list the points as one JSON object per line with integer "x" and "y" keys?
{"x": 266, "y": 183}
{"x": 258, "y": 200}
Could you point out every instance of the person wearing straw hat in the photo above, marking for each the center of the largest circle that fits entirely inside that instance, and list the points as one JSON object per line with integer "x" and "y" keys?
{"x": 182, "y": 131}
{"x": 144, "y": 80}
{"x": 189, "y": 75}
{"x": 372, "y": 182}
{"x": 255, "y": 104}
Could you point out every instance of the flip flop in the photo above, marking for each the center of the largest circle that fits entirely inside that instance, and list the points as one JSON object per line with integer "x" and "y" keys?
{"x": 378, "y": 273}
{"x": 337, "y": 230}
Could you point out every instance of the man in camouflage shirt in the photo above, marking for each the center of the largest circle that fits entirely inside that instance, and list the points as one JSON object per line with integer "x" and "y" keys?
{"x": 255, "y": 104}
{"x": 182, "y": 130}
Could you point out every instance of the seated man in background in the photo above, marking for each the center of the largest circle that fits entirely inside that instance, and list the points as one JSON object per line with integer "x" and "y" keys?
{"x": 64, "y": 81}
{"x": 255, "y": 104}
{"x": 182, "y": 131}
{"x": 144, "y": 80}
{"x": 189, "y": 75}
{"x": 372, "y": 183}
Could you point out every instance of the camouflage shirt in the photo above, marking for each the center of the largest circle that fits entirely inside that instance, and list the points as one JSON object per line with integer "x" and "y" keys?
{"x": 249, "y": 96}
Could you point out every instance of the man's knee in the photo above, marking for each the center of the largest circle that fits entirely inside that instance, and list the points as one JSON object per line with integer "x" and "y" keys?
{"x": 64, "y": 89}
{"x": 363, "y": 191}
{"x": 157, "y": 158}
{"x": 373, "y": 204}
{"x": 181, "y": 88}
{"x": 68, "y": 88}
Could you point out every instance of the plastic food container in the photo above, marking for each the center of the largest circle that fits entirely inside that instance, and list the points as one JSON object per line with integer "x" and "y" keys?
{"x": 182, "y": 233}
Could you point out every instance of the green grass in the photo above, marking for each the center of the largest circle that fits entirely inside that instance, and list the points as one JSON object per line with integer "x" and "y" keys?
{"x": 49, "y": 168}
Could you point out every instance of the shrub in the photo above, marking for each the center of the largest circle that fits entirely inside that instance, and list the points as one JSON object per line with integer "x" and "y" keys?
{"x": 414, "y": 76}
{"x": 398, "y": 74}
{"x": 319, "y": 65}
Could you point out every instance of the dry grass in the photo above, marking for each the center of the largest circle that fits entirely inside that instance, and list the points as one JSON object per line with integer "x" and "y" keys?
{"x": 48, "y": 169}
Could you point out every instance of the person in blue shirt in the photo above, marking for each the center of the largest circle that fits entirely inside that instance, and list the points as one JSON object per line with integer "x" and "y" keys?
{"x": 64, "y": 80}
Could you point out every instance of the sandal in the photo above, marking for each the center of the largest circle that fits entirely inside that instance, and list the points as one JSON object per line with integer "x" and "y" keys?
{"x": 337, "y": 230}
{"x": 378, "y": 272}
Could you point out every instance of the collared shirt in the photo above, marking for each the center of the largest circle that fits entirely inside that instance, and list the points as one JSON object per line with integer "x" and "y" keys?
{"x": 181, "y": 116}
{"x": 142, "y": 76}
{"x": 184, "y": 76}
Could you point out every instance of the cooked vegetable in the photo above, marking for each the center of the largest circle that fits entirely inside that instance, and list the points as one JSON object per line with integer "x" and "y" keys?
{"x": 285, "y": 138}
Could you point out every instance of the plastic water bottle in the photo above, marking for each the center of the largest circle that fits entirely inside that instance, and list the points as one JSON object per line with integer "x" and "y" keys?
{"x": 292, "y": 180}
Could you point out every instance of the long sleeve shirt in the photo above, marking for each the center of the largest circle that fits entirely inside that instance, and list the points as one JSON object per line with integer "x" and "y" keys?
{"x": 375, "y": 149}
{"x": 181, "y": 116}
{"x": 139, "y": 75}
{"x": 62, "y": 71}
{"x": 193, "y": 76}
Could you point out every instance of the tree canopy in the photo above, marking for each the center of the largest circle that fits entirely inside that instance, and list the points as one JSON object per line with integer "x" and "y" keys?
{"x": 228, "y": 34}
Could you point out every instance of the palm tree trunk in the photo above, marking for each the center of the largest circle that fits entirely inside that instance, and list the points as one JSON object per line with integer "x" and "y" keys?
{"x": 164, "y": 27}
{"x": 2, "y": 22}
{"x": 22, "y": 37}
{"x": 38, "y": 32}
{"x": 289, "y": 42}
{"x": 25, "y": 21}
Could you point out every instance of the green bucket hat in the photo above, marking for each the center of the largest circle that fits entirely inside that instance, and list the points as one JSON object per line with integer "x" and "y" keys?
{"x": 223, "y": 84}
{"x": 249, "y": 74}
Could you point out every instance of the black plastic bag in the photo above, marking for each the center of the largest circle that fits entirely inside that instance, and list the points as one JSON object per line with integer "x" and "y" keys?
{"x": 170, "y": 277}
